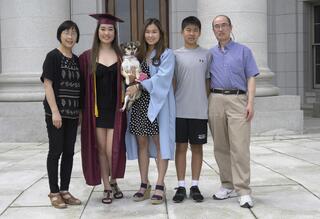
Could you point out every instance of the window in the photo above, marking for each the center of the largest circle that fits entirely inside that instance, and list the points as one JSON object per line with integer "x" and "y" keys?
{"x": 316, "y": 46}
{"x": 134, "y": 12}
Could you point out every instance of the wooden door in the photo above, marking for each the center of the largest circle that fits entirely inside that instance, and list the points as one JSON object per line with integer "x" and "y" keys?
{"x": 134, "y": 13}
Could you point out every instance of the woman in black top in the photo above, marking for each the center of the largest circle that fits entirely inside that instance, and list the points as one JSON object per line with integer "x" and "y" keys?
{"x": 103, "y": 124}
{"x": 62, "y": 84}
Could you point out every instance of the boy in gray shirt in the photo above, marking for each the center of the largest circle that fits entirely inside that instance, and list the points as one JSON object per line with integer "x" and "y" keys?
{"x": 191, "y": 81}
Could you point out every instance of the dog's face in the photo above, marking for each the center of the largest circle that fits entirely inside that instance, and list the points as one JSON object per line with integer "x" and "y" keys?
{"x": 130, "y": 48}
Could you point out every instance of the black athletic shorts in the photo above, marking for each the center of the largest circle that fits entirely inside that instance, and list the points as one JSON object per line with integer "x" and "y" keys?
{"x": 193, "y": 131}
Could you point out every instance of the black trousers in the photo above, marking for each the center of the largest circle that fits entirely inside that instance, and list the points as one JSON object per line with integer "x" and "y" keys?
{"x": 61, "y": 141}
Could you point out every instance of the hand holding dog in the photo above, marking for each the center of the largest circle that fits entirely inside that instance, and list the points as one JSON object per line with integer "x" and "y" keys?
{"x": 132, "y": 90}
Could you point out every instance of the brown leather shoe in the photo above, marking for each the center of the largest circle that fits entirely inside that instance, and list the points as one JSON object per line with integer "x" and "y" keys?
{"x": 57, "y": 201}
{"x": 70, "y": 199}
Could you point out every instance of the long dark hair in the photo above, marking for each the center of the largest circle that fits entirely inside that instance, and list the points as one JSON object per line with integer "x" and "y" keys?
{"x": 160, "y": 46}
{"x": 96, "y": 46}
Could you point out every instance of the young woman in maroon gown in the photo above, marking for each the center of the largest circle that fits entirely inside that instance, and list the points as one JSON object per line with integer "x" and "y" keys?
{"x": 103, "y": 124}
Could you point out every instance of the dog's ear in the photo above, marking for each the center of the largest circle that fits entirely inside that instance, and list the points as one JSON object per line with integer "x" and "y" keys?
{"x": 137, "y": 43}
{"x": 122, "y": 46}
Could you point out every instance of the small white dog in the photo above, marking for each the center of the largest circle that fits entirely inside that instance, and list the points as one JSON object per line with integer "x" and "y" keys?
{"x": 130, "y": 68}
{"x": 130, "y": 63}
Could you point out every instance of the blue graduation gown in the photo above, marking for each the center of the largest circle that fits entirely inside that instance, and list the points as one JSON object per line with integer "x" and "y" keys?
{"x": 161, "y": 107}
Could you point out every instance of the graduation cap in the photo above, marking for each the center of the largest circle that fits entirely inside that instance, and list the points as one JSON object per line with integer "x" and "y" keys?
{"x": 106, "y": 18}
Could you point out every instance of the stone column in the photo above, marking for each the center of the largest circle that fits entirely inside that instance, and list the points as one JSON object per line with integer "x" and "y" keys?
{"x": 28, "y": 32}
{"x": 249, "y": 20}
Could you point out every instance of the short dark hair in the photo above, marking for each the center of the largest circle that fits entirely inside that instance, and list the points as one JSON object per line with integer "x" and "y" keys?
{"x": 66, "y": 25}
{"x": 191, "y": 20}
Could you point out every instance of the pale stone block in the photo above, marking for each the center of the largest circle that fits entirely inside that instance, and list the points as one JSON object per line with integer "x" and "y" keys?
{"x": 37, "y": 33}
{"x": 83, "y": 7}
{"x": 310, "y": 94}
{"x": 280, "y": 196}
{"x": 220, "y": 7}
{"x": 172, "y": 6}
{"x": 84, "y": 44}
{"x": 24, "y": 59}
{"x": 22, "y": 122}
{"x": 316, "y": 110}
{"x": 243, "y": 21}
{"x": 291, "y": 80}
{"x": 278, "y": 123}
{"x": 286, "y": 23}
{"x": 44, "y": 211}
{"x": 291, "y": 91}
{"x": 78, "y": 188}
{"x": 284, "y": 7}
{"x": 186, "y": 5}
{"x": 34, "y": 8}
{"x": 281, "y": 63}
{"x": 86, "y": 24}
{"x": 291, "y": 61}
{"x": 277, "y": 103}
{"x": 272, "y": 61}
{"x": 277, "y": 115}
{"x": 272, "y": 46}
{"x": 281, "y": 79}
{"x": 122, "y": 209}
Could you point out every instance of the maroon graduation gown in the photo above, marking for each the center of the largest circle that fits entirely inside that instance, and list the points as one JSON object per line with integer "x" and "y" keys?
{"x": 89, "y": 147}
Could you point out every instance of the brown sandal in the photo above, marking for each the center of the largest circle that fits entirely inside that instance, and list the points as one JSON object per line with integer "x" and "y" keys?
{"x": 158, "y": 199}
{"x": 107, "y": 194}
{"x": 57, "y": 200}
{"x": 139, "y": 196}
{"x": 70, "y": 199}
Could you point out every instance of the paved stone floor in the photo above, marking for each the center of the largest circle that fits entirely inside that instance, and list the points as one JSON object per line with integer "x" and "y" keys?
{"x": 285, "y": 183}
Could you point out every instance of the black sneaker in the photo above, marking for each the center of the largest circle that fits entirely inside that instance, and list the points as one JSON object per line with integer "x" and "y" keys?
{"x": 195, "y": 194}
{"x": 180, "y": 195}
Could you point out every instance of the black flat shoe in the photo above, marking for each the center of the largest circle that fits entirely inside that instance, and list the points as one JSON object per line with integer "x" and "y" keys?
{"x": 195, "y": 194}
{"x": 180, "y": 195}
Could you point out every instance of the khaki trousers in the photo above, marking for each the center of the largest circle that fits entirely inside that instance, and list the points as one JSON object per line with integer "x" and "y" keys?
{"x": 231, "y": 131}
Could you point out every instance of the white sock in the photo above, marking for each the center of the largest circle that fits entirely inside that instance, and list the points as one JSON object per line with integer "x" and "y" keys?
{"x": 182, "y": 183}
{"x": 195, "y": 182}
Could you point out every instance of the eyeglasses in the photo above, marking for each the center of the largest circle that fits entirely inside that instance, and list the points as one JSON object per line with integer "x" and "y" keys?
{"x": 222, "y": 26}
{"x": 70, "y": 33}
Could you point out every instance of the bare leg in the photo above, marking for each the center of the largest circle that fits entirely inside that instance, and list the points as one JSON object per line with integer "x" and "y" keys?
{"x": 143, "y": 159}
{"x": 162, "y": 166}
{"x": 181, "y": 153}
{"x": 196, "y": 161}
{"x": 109, "y": 142}
{"x": 103, "y": 158}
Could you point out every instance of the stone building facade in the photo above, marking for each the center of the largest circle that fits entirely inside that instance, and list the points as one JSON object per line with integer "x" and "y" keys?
{"x": 283, "y": 34}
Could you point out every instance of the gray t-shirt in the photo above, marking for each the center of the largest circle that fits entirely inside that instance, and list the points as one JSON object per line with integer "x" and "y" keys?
{"x": 191, "y": 71}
